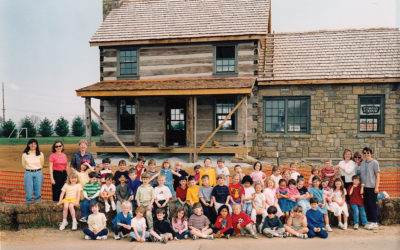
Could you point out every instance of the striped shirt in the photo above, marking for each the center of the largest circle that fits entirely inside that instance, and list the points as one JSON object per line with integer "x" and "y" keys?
{"x": 91, "y": 188}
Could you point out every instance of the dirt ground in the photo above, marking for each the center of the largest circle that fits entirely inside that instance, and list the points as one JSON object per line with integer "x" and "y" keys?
{"x": 386, "y": 237}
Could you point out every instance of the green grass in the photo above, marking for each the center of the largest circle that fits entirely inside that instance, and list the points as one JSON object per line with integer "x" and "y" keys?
{"x": 45, "y": 140}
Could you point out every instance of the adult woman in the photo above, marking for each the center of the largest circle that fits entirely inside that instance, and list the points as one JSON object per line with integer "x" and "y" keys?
{"x": 58, "y": 169}
{"x": 347, "y": 168}
{"x": 82, "y": 155}
{"x": 32, "y": 161}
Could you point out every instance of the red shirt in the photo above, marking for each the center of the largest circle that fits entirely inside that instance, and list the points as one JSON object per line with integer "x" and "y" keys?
{"x": 236, "y": 191}
{"x": 223, "y": 225}
{"x": 326, "y": 171}
{"x": 355, "y": 197}
{"x": 59, "y": 161}
{"x": 241, "y": 219}
{"x": 181, "y": 193}
{"x": 139, "y": 172}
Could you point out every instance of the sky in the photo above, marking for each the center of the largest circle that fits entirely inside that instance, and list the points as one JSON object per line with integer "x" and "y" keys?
{"x": 45, "y": 54}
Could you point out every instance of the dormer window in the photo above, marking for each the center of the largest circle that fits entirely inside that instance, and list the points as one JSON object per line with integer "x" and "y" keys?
{"x": 225, "y": 59}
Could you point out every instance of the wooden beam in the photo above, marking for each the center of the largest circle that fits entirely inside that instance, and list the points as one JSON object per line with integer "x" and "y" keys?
{"x": 265, "y": 82}
{"x": 195, "y": 154}
{"x": 222, "y": 123}
{"x": 166, "y": 92}
{"x": 164, "y": 117}
{"x": 88, "y": 121}
{"x": 189, "y": 124}
{"x": 137, "y": 122}
{"x": 245, "y": 125}
{"x": 110, "y": 130}
{"x": 173, "y": 150}
{"x": 181, "y": 40}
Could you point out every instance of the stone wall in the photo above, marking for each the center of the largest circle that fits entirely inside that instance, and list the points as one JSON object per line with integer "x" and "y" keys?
{"x": 333, "y": 122}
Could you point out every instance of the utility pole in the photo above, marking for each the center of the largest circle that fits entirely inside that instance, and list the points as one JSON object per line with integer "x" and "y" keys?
{"x": 4, "y": 107}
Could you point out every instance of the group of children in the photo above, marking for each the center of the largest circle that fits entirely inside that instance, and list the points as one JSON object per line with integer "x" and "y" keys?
{"x": 207, "y": 205}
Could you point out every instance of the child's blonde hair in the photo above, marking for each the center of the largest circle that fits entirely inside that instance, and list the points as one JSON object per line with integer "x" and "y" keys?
{"x": 165, "y": 162}
{"x": 269, "y": 179}
{"x": 178, "y": 163}
{"x": 161, "y": 176}
{"x": 127, "y": 204}
{"x": 258, "y": 183}
{"x": 72, "y": 175}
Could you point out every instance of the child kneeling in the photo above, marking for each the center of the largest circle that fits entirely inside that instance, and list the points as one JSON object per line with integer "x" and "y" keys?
{"x": 315, "y": 220}
{"x": 297, "y": 223}
{"x": 272, "y": 224}
{"x": 97, "y": 229}
{"x": 199, "y": 224}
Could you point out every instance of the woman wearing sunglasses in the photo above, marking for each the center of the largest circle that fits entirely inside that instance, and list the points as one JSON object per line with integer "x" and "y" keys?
{"x": 58, "y": 169}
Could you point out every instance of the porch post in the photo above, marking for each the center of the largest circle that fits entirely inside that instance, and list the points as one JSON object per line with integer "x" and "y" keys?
{"x": 189, "y": 123}
{"x": 88, "y": 121}
{"x": 195, "y": 154}
{"x": 137, "y": 122}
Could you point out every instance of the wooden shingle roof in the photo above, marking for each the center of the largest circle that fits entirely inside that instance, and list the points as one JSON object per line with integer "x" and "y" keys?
{"x": 139, "y": 20}
{"x": 342, "y": 54}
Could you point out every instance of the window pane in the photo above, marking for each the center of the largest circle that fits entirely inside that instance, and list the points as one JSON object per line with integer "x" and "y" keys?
{"x": 224, "y": 105}
{"x": 225, "y": 51}
{"x": 370, "y": 114}
{"x": 127, "y": 114}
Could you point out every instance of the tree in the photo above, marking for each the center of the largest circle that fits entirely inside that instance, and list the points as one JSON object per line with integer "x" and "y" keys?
{"x": 45, "y": 128}
{"x": 95, "y": 128}
{"x": 8, "y": 127}
{"x": 28, "y": 124}
{"x": 78, "y": 128}
{"x": 61, "y": 128}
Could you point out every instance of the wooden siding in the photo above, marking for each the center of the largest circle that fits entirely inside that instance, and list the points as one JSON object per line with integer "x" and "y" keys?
{"x": 178, "y": 61}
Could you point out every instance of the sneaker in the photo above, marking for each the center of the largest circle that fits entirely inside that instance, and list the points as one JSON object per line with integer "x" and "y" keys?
{"x": 386, "y": 195}
{"x": 269, "y": 235}
{"x": 368, "y": 226}
{"x": 374, "y": 225}
{"x": 210, "y": 237}
{"x": 104, "y": 237}
{"x": 186, "y": 236}
{"x": 63, "y": 225}
{"x": 107, "y": 207}
{"x": 286, "y": 234}
{"x": 83, "y": 219}
{"x": 340, "y": 225}
{"x": 328, "y": 228}
{"x": 113, "y": 206}
{"x": 117, "y": 237}
{"x": 227, "y": 236}
{"x": 163, "y": 240}
{"x": 123, "y": 235}
{"x": 303, "y": 236}
{"x": 74, "y": 225}
{"x": 283, "y": 235}
{"x": 194, "y": 237}
{"x": 345, "y": 226}
{"x": 87, "y": 237}
{"x": 355, "y": 227}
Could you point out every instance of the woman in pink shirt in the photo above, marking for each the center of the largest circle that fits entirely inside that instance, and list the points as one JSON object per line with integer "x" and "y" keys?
{"x": 58, "y": 169}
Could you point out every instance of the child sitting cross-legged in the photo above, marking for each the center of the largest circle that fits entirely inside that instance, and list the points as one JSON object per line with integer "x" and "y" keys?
{"x": 272, "y": 224}
{"x": 297, "y": 223}
{"x": 180, "y": 224}
{"x": 223, "y": 224}
{"x": 121, "y": 225}
{"x": 162, "y": 230}
{"x": 97, "y": 229}
{"x": 138, "y": 225}
{"x": 315, "y": 220}
{"x": 242, "y": 222}
{"x": 199, "y": 224}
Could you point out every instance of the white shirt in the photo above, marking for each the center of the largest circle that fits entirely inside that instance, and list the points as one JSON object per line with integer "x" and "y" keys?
{"x": 138, "y": 223}
{"x": 106, "y": 188}
{"x": 259, "y": 200}
{"x": 270, "y": 195}
{"x": 162, "y": 193}
{"x": 276, "y": 179}
{"x": 225, "y": 171}
{"x": 294, "y": 175}
{"x": 248, "y": 192}
{"x": 349, "y": 170}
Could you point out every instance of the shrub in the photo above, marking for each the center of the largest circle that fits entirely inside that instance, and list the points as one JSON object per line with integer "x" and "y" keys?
{"x": 61, "y": 128}
{"x": 8, "y": 127}
{"x": 28, "y": 124}
{"x": 78, "y": 128}
{"x": 95, "y": 128}
{"x": 45, "y": 128}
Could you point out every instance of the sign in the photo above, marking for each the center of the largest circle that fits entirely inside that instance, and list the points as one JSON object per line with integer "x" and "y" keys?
{"x": 294, "y": 127}
{"x": 370, "y": 109}
{"x": 368, "y": 125}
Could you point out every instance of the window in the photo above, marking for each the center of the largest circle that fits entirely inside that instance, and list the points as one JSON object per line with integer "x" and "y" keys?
{"x": 286, "y": 115}
{"x": 371, "y": 110}
{"x": 225, "y": 59}
{"x": 126, "y": 114}
{"x": 223, "y": 106}
{"x": 128, "y": 62}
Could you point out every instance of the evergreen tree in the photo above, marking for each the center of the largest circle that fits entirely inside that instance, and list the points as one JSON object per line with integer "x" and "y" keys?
{"x": 45, "y": 128}
{"x": 78, "y": 128}
{"x": 95, "y": 128}
{"x": 8, "y": 127}
{"x": 61, "y": 128}
{"x": 28, "y": 124}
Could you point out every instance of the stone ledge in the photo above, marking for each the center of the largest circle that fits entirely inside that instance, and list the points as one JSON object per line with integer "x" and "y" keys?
{"x": 286, "y": 136}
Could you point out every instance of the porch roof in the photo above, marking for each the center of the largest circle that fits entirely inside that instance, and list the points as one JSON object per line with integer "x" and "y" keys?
{"x": 162, "y": 87}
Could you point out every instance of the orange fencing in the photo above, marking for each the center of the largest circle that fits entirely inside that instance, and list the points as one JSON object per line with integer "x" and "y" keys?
{"x": 12, "y": 185}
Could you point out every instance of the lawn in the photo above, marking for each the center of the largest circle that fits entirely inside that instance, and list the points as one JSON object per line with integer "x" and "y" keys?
{"x": 45, "y": 140}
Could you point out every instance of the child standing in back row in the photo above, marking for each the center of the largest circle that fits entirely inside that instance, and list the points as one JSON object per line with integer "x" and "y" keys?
{"x": 121, "y": 171}
{"x": 257, "y": 174}
{"x": 179, "y": 170}
{"x": 72, "y": 192}
{"x": 104, "y": 171}
{"x": 221, "y": 169}
{"x": 208, "y": 170}
{"x": 168, "y": 172}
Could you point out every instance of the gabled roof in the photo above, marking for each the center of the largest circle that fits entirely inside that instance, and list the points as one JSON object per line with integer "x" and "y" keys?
{"x": 341, "y": 54}
{"x": 157, "y": 87}
{"x": 139, "y": 20}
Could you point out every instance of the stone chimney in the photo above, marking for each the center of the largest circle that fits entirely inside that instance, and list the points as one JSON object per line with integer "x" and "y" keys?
{"x": 109, "y": 5}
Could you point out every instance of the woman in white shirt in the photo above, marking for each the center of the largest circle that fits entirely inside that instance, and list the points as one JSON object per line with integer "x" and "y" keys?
{"x": 32, "y": 161}
{"x": 347, "y": 168}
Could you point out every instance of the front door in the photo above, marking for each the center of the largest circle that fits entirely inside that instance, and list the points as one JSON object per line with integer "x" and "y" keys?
{"x": 176, "y": 122}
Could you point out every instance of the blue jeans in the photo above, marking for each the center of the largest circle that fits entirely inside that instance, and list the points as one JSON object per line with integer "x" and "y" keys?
{"x": 93, "y": 236}
{"x": 146, "y": 235}
{"x": 116, "y": 229}
{"x": 322, "y": 234}
{"x": 33, "y": 182}
{"x": 357, "y": 210}
{"x": 247, "y": 208}
{"x": 182, "y": 235}
{"x": 85, "y": 207}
